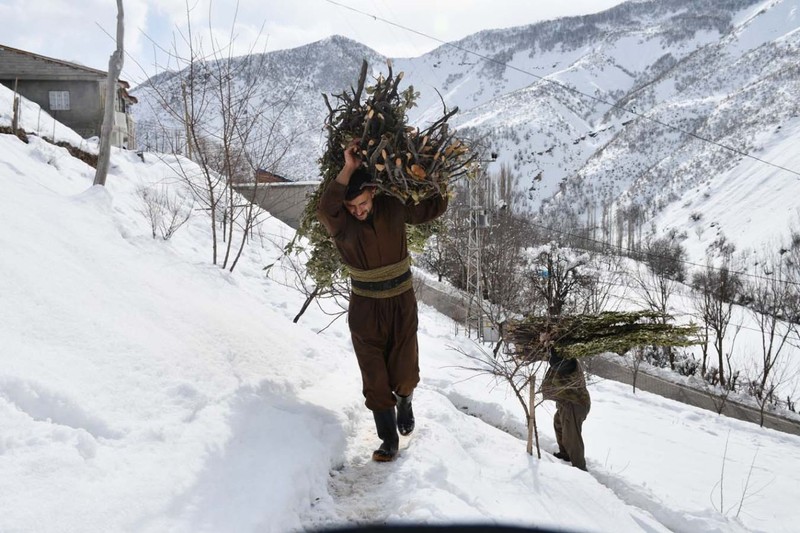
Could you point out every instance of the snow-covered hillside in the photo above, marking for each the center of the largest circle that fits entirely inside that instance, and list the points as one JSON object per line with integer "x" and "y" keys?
{"x": 144, "y": 389}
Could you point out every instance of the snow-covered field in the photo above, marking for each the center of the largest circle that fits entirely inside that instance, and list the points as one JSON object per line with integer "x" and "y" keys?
{"x": 144, "y": 389}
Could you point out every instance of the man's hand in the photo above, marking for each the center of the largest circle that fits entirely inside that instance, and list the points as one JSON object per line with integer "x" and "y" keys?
{"x": 545, "y": 339}
{"x": 352, "y": 160}
{"x": 352, "y": 157}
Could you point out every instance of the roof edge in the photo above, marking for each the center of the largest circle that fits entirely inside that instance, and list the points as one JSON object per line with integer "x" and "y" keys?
{"x": 104, "y": 73}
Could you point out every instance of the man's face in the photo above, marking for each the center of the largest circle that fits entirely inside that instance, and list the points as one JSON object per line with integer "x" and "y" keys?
{"x": 361, "y": 206}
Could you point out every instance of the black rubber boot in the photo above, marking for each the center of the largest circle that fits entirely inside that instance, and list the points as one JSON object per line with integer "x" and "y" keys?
{"x": 405, "y": 415}
{"x": 386, "y": 424}
{"x": 564, "y": 456}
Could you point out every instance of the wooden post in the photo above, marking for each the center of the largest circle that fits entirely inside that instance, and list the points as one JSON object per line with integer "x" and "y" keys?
{"x": 15, "y": 119}
{"x": 533, "y": 431}
{"x": 531, "y": 416}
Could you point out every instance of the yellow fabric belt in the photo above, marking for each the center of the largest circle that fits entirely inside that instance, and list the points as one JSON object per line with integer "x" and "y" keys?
{"x": 382, "y": 282}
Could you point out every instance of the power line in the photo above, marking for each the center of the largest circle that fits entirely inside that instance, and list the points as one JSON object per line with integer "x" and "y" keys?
{"x": 567, "y": 88}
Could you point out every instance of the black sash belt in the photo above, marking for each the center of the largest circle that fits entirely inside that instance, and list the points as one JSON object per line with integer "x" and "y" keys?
{"x": 380, "y": 286}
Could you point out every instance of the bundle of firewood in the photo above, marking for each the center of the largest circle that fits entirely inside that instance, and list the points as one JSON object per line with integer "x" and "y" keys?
{"x": 405, "y": 162}
{"x": 582, "y": 335}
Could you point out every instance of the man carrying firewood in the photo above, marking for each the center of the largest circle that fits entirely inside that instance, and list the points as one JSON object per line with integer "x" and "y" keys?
{"x": 369, "y": 232}
{"x": 564, "y": 382}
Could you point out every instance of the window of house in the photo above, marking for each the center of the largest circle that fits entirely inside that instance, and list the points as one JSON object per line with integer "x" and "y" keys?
{"x": 59, "y": 100}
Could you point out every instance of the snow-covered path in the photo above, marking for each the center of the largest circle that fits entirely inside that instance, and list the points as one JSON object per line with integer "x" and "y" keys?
{"x": 457, "y": 469}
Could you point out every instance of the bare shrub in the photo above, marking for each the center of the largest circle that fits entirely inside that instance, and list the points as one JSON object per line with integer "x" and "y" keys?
{"x": 165, "y": 212}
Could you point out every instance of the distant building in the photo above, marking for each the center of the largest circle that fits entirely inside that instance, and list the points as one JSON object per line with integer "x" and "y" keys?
{"x": 73, "y": 94}
{"x": 285, "y": 200}
{"x": 265, "y": 176}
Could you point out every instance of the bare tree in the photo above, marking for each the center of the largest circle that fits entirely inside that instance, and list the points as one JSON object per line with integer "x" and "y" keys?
{"x": 765, "y": 392}
{"x": 718, "y": 397}
{"x": 770, "y": 300}
{"x": 115, "y": 63}
{"x": 791, "y": 258}
{"x": 717, "y": 289}
{"x": 231, "y": 131}
{"x": 604, "y": 281}
{"x": 656, "y": 281}
{"x": 701, "y": 304}
{"x": 628, "y": 222}
{"x": 557, "y": 278}
{"x": 502, "y": 269}
{"x": 446, "y": 253}
{"x": 507, "y": 193}
{"x": 434, "y": 256}
{"x": 637, "y": 356}
{"x": 519, "y": 373}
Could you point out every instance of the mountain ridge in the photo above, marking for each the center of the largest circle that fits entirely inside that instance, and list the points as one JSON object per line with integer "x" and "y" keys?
{"x": 600, "y": 116}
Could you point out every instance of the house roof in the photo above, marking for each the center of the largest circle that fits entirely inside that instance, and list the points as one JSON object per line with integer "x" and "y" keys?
{"x": 268, "y": 176}
{"x": 58, "y": 62}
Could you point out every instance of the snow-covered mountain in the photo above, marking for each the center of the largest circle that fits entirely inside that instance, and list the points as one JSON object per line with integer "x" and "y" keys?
{"x": 289, "y": 88}
{"x": 640, "y": 113}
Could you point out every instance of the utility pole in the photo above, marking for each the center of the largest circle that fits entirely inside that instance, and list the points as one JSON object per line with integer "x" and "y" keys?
{"x": 479, "y": 200}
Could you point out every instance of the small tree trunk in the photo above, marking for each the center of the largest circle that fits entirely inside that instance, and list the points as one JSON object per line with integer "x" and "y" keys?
{"x": 529, "y": 447}
{"x": 637, "y": 360}
{"x": 186, "y": 123}
{"x": 114, "y": 68}
{"x": 533, "y": 432}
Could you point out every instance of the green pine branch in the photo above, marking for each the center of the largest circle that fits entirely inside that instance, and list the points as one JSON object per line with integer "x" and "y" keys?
{"x": 583, "y": 335}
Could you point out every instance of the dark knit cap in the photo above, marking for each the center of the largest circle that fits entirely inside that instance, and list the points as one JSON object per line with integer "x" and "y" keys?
{"x": 360, "y": 178}
{"x": 562, "y": 366}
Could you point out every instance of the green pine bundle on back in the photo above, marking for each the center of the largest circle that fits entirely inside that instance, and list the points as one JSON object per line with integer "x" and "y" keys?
{"x": 582, "y": 335}
{"x": 405, "y": 162}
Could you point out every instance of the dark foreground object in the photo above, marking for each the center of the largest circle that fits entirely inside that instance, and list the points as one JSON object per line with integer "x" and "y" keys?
{"x": 467, "y": 528}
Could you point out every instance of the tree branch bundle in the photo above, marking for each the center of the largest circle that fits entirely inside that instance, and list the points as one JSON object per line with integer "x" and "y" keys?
{"x": 583, "y": 335}
{"x": 407, "y": 163}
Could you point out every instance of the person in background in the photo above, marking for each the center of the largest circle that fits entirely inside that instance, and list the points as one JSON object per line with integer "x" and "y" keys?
{"x": 565, "y": 383}
{"x": 369, "y": 232}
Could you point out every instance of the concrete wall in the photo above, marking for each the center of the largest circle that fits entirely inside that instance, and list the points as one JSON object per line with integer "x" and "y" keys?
{"x": 284, "y": 201}
{"x": 452, "y": 304}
